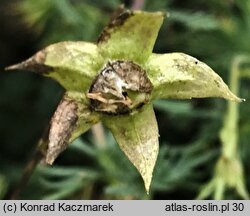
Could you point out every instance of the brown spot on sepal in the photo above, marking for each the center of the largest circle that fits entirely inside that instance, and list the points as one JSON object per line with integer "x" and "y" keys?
{"x": 62, "y": 125}
{"x": 109, "y": 90}
{"x": 119, "y": 10}
{"x": 34, "y": 64}
{"x": 117, "y": 19}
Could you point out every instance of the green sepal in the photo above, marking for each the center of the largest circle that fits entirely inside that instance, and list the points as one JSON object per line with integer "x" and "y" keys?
{"x": 180, "y": 76}
{"x": 131, "y": 36}
{"x": 73, "y": 64}
{"x": 137, "y": 136}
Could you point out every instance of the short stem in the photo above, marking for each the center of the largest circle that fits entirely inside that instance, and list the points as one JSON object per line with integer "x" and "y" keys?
{"x": 31, "y": 165}
{"x": 229, "y": 133}
{"x": 99, "y": 135}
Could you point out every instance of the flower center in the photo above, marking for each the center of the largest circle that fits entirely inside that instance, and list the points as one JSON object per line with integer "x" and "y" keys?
{"x": 120, "y": 87}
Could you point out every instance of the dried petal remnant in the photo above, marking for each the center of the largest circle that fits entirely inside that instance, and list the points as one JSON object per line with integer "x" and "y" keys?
{"x": 109, "y": 91}
{"x": 62, "y": 125}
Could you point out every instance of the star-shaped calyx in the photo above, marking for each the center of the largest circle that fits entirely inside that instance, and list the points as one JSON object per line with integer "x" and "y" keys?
{"x": 115, "y": 80}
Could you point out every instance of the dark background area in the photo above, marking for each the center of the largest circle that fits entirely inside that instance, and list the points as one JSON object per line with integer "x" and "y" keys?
{"x": 215, "y": 32}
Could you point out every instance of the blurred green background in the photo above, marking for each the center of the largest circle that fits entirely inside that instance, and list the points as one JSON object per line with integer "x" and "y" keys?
{"x": 216, "y": 32}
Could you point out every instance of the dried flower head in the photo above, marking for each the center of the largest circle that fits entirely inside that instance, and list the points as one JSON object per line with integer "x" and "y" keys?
{"x": 120, "y": 75}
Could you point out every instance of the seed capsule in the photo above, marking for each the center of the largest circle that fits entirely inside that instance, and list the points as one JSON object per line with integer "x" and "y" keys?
{"x": 109, "y": 91}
